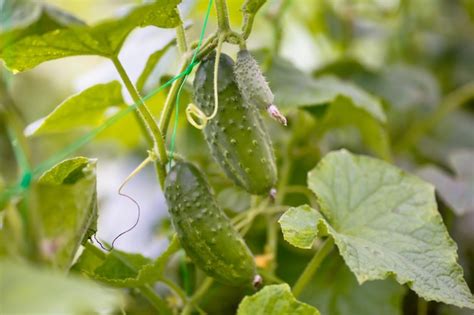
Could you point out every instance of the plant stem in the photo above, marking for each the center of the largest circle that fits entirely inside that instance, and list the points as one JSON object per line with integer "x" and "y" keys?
{"x": 174, "y": 287}
{"x": 170, "y": 99}
{"x": 155, "y": 300}
{"x": 422, "y": 308}
{"x": 312, "y": 266}
{"x": 181, "y": 38}
{"x": 452, "y": 101}
{"x": 146, "y": 290}
{"x": 146, "y": 117}
{"x": 222, "y": 16}
{"x": 197, "y": 295}
{"x": 272, "y": 241}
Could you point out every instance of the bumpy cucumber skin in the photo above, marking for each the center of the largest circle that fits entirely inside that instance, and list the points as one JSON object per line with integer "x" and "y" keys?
{"x": 237, "y": 137}
{"x": 204, "y": 231}
{"x": 251, "y": 82}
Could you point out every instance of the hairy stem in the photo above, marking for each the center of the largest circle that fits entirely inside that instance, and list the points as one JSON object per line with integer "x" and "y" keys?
{"x": 181, "y": 38}
{"x": 312, "y": 266}
{"x": 146, "y": 117}
{"x": 222, "y": 16}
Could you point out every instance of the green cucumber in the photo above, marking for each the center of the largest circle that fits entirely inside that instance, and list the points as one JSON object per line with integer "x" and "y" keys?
{"x": 237, "y": 137}
{"x": 253, "y": 86}
{"x": 204, "y": 231}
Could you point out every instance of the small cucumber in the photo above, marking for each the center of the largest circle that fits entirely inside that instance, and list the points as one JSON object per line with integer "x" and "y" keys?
{"x": 236, "y": 136}
{"x": 204, "y": 231}
{"x": 253, "y": 86}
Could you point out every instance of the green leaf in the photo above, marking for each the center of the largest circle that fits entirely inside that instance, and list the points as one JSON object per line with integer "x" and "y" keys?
{"x": 67, "y": 208}
{"x": 341, "y": 113}
{"x": 343, "y": 103}
{"x": 28, "y": 290}
{"x": 385, "y": 223}
{"x": 122, "y": 269}
{"x": 86, "y": 109}
{"x": 334, "y": 290}
{"x": 294, "y": 88}
{"x": 234, "y": 198}
{"x": 21, "y": 19}
{"x": 457, "y": 191}
{"x": 104, "y": 39}
{"x": 274, "y": 299}
{"x": 299, "y": 226}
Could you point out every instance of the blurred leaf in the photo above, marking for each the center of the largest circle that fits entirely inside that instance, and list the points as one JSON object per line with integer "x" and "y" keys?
{"x": 457, "y": 191}
{"x": 274, "y": 299}
{"x": 385, "y": 222}
{"x": 27, "y": 290}
{"x": 123, "y": 269}
{"x": 20, "y": 19}
{"x": 86, "y": 109}
{"x": 104, "y": 39}
{"x": 342, "y": 113}
{"x": 150, "y": 66}
{"x": 234, "y": 198}
{"x": 337, "y": 103}
{"x": 67, "y": 208}
{"x": 453, "y": 133}
{"x": 294, "y": 88}
{"x": 334, "y": 290}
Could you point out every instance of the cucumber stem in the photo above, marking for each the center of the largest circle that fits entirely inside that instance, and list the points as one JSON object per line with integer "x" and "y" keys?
{"x": 312, "y": 266}
{"x": 197, "y": 295}
{"x": 181, "y": 38}
{"x": 222, "y": 16}
{"x": 146, "y": 117}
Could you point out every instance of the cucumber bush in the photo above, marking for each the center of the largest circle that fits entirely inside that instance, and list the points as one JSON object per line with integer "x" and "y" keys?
{"x": 346, "y": 202}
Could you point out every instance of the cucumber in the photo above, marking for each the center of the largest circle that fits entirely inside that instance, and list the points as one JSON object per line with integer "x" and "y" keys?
{"x": 237, "y": 137}
{"x": 204, "y": 231}
{"x": 253, "y": 86}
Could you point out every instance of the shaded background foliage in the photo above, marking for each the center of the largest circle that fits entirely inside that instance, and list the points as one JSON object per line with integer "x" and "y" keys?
{"x": 331, "y": 65}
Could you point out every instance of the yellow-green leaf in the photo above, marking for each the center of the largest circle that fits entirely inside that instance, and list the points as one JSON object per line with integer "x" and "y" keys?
{"x": 104, "y": 39}
{"x": 274, "y": 299}
{"x": 28, "y": 290}
{"x": 86, "y": 109}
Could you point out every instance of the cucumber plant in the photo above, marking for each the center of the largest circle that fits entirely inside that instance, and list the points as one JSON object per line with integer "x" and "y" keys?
{"x": 315, "y": 215}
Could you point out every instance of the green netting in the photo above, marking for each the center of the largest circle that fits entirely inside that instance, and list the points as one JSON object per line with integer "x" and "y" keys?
{"x": 28, "y": 175}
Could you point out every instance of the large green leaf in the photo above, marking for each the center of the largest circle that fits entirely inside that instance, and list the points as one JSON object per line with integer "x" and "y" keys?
{"x": 104, "y": 39}
{"x": 27, "y": 290}
{"x": 334, "y": 290}
{"x": 274, "y": 299}
{"x": 385, "y": 223}
{"x": 20, "y": 19}
{"x": 86, "y": 109}
{"x": 67, "y": 208}
{"x": 124, "y": 269}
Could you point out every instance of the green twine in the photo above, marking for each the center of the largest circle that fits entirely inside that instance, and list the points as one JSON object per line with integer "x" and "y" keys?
{"x": 28, "y": 175}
